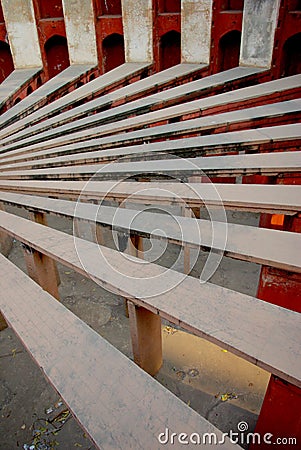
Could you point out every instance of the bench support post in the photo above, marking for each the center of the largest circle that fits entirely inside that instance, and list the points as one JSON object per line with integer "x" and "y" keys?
{"x": 40, "y": 217}
{"x": 3, "y": 323}
{"x": 146, "y": 337}
{"x": 136, "y": 246}
{"x": 6, "y": 241}
{"x": 99, "y": 234}
{"x": 186, "y": 212}
{"x": 42, "y": 270}
{"x": 280, "y": 413}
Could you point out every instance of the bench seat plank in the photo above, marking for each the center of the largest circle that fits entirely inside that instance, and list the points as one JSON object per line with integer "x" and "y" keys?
{"x": 230, "y": 165}
{"x": 268, "y": 335}
{"x": 119, "y": 405}
{"x": 40, "y": 96}
{"x": 97, "y": 86}
{"x": 281, "y": 249}
{"x": 142, "y": 105}
{"x": 145, "y": 115}
{"x": 59, "y": 156}
{"x": 281, "y": 199}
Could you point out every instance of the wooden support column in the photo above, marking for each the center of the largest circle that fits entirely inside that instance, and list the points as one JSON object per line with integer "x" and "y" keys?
{"x": 136, "y": 246}
{"x": 97, "y": 233}
{"x": 187, "y": 212}
{"x": 42, "y": 270}
{"x": 279, "y": 415}
{"x": 3, "y": 323}
{"x": 146, "y": 337}
{"x": 6, "y": 241}
{"x": 40, "y": 217}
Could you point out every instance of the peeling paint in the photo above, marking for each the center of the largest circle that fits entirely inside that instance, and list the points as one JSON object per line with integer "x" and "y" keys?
{"x": 137, "y": 18}
{"x": 258, "y": 31}
{"x": 196, "y": 16}
{"x": 80, "y": 31}
{"x": 22, "y": 33}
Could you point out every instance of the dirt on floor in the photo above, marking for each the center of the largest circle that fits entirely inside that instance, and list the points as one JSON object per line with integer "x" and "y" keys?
{"x": 223, "y": 388}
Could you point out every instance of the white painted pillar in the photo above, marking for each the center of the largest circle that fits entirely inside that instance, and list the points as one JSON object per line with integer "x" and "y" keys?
{"x": 137, "y": 19}
{"x": 22, "y": 33}
{"x": 196, "y": 19}
{"x": 258, "y": 32}
{"x": 80, "y": 31}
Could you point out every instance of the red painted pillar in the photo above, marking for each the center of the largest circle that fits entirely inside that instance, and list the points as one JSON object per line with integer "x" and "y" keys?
{"x": 281, "y": 288}
{"x": 279, "y": 422}
{"x": 277, "y": 286}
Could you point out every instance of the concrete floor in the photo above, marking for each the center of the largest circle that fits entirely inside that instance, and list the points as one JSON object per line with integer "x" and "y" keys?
{"x": 198, "y": 372}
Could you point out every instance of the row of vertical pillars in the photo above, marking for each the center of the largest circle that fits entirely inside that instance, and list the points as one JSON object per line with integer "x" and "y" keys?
{"x": 56, "y": 50}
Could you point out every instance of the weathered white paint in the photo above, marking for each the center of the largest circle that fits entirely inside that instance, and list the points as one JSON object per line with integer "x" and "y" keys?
{"x": 22, "y": 33}
{"x": 196, "y": 18}
{"x": 258, "y": 32}
{"x": 137, "y": 18}
{"x": 80, "y": 31}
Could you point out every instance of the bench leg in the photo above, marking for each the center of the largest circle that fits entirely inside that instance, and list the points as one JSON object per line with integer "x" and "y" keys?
{"x": 186, "y": 250}
{"x": 279, "y": 415}
{"x": 42, "y": 270}
{"x": 99, "y": 234}
{"x": 6, "y": 241}
{"x": 3, "y": 323}
{"x": 186, "y": 212}
{"x": 40, "y": 218}
{"x": 146, "y": 337}
{"x": 136, "y": 246}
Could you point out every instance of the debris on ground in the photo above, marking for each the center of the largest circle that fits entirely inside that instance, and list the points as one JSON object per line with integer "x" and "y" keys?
{"x": 180, "y": 374}
{"x": 169, "y": 330}
{"x": 193, "y": 373}
{"x": 227, "y": 396}
{"x": 45, "y": 430}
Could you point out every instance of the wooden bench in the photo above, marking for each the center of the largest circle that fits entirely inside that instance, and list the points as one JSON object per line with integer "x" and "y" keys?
{"x": 231, "y": 165}
{"x": 56, "y": 86}
{"x": 242, "y": 197}
{"x": 207, "y": 307}
{"x": 262, "y": 138}
{"x": 102, "y": 85}
{"x": 267, "y": 336}
{"x": 117, "y": 404}
{"x": 174, "y": 95}
{"x": 281, "y": 249}
{"x": 14, "y": 84}
{"x": 154, "y": 109}
{"x": 99, "y": 86}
